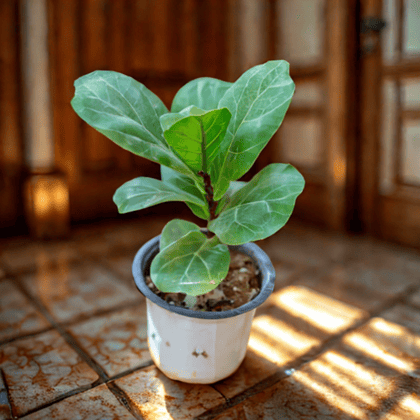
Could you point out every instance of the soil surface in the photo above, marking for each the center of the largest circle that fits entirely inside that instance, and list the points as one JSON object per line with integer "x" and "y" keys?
{"x": 240, "y": 286}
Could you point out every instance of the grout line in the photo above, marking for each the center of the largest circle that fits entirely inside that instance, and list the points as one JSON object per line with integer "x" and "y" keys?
{"x": 68, "y": 337}
{"x": 130, "y": 371}
{"x": 60, "y": 398}
{"x": 23, "y": 336}
{"x": 6, "y": 393}
{"x": 124, "y": 400}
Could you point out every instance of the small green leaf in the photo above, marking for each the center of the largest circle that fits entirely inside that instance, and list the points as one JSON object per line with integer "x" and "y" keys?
{"x": 140, "y": 193}
{"x": 168, "y": 120}
{"x": 175, "y": 230}
{"x": 128, "y": 113}
{"x": 261, "y": 208}
{"x": 197, "y": 139}
{"x": 204, "y": 93}
{"x": 193, "y": 264}
{"x": 258, "y": 101}
{"x": 184, "y": 183}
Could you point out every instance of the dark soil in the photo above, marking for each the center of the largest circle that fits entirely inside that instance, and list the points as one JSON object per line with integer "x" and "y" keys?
{"x": 240, "y": 286}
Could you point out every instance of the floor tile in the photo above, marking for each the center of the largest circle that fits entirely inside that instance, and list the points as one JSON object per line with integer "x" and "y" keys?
{"x": 5, "y": 411}
{"x": 39, "y": 369}
{"x": 121, "y": 265}
{"x": 415, "y": 299}
{"x": 296, "y": 324}
{"x": 116, "y": 341}
{"x": 29, "y": 256}
{"x": 338, "y": 284}
{"x": 307, "y": 246}
{"x": 96, "y": 404}
{"x": 337, "y": 385}
{"x": 17, "y": 315}
{"x": 160, "y": 398}
{"x": 390, "y": 344}
{"x": 118, "y": 238}
{"x": 404, "y": 315}
{"x": 79, "y": 290}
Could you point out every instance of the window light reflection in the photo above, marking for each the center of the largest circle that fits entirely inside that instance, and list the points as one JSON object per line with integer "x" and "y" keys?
{"x": 284, "y": 333}
{"x": 325, "y": 313}
{"x": 367, "y": 346}
{"x": 269, "y": 352}
{"x": 343, "y": 381}
{"x": 326, "y": 393}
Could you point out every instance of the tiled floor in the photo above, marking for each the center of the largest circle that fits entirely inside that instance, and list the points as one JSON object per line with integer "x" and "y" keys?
{"x": 338, "y": 339}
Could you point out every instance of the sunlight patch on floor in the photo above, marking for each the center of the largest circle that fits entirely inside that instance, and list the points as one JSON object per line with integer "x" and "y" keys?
{"x": 344, "y": 383}
{"x": 388, "y": 343}
{"x": 323, "y": 312}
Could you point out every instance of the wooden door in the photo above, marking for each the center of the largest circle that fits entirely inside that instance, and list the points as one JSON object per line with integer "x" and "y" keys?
{"x": 317, "y": 38}
{"x": 390, "y": 121}
{"x": 162, "y": 44}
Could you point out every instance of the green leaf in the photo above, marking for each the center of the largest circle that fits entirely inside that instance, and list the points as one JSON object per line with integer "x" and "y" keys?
{"x": 204, "y": 93}
{"x": 175, "y": 230}
{"x": 258, "y": 101}
{"x": 168, "y": 120}
{"x": 233, "y": 188}
{"x": 197, "y": 139}
{"x": 189, "y": 262}
{"x": 128, "y": 113}
{"x": 261, "y": 208}
{"x": 140, "y": 193}
{"x": 184, "y": 183}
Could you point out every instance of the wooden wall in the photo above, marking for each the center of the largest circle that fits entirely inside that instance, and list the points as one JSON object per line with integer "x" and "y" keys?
{"x": 162, "y": 44}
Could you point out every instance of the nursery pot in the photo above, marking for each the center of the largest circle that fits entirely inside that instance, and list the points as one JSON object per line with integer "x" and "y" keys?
{"x": 197, "y": 346}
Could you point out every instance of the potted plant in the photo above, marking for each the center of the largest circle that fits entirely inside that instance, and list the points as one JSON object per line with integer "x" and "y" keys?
{"x": 212, "y": 136}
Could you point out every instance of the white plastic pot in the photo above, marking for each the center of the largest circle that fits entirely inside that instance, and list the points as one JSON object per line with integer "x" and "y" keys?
{"x": 194, "y": 346}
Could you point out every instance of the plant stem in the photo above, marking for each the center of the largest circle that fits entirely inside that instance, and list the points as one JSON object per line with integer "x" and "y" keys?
{"x": 207, "y": 181}
{"x": 209, "y": 197}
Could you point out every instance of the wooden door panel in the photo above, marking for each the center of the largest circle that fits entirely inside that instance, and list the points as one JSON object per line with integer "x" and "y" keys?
{"x": 162, "y": 44}
{"x": 391, "y": 96}
{"x": 313, "y": 37}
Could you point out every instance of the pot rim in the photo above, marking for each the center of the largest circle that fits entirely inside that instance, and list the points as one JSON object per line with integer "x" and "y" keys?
{"x": 147, "y": 252}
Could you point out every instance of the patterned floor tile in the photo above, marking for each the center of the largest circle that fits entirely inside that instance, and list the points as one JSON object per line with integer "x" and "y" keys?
{"x": 415, "y": 299}
{"x": 120, "y": 238}
{"x": 338, "y": 284}
{"x": 160, "y": 398}
{"x": 96, "y": 404}
{"x": 117, "y": 341}
{"x": 296, "y": 324}
{"x": 29, "y": 256}
{"x": 388, "y": 343}
{"x": 121, "y": 265}
{"x": 404, "y": 315}
{"x": 39, "y": 369}
{"x": 17, "y": 315}
{"x": 335, "y": 386}
{"x": 79, "y": 290}
{"x": 387, "y": 278}
{"x": 5, "y": 411}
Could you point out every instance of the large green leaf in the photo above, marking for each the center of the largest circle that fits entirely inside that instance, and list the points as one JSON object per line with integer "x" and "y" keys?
{"x": 140, "y": 193}
{"x": 261, "y": 208}
{"x": 197, "y": 139}
{"x": 234, "y": 186}
{"x": 184, "y": 183}
{"x": 189, "y": 262}
{"x": 128, "y": 113}
{"x": 258, "y": 101}
{"x": 204, "y": 93}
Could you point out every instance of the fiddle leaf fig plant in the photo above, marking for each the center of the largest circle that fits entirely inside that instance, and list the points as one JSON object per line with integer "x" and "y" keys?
{"x": 211, "y": 138}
